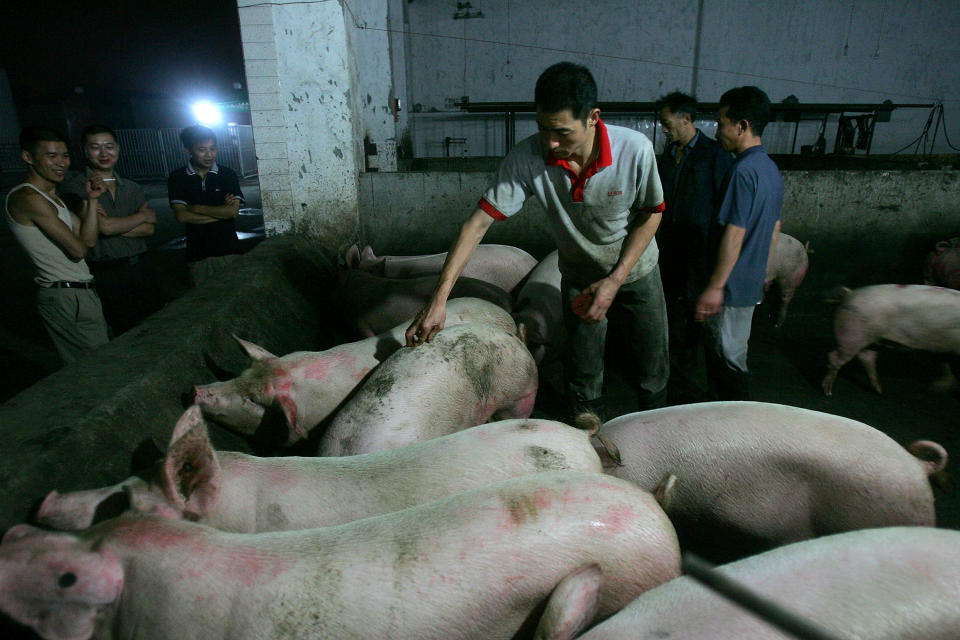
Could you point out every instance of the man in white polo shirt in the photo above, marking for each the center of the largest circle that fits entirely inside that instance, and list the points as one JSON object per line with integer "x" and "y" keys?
{"x": 600, "y": 188}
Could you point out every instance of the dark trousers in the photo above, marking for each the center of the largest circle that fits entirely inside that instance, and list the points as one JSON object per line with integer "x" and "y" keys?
{"x": 128, "y": 290}
{"x": 639, "y": 312}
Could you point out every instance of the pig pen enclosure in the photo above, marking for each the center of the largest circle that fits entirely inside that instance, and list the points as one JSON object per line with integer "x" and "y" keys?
{"x": 85, "y": 425}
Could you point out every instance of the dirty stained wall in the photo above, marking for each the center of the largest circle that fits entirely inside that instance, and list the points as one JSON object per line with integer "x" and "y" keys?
{"x": 305, "y": 111}
{"x": 865, "y": 227}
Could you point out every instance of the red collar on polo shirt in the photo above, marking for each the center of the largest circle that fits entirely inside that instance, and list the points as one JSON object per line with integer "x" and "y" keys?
{"x": 604, "y": 159}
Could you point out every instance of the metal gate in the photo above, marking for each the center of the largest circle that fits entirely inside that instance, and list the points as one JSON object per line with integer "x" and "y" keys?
{"x": 154, "y": 153}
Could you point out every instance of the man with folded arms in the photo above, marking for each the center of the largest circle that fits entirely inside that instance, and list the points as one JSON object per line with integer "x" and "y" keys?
{"x": 125, "y": 275}
{"x": 56, "y": 240}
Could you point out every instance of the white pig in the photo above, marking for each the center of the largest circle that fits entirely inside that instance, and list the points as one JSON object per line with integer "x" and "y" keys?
{"x": 468, "y": 374}
{"x": 477, "y": 565}
{"x": 247, "y": 494}
{"x": 754, "y": 475}
{"x": 893, "y": 583}
{"x": 913, "y": 315}
{"x": 787, "y": 267}
{"x": 498, "y": 264}
{"x": 309, "y": 385}
{"x": 369, "y": 305}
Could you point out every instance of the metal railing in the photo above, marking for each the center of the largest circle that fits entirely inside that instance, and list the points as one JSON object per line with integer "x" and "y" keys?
{"x": 154, "y": 153}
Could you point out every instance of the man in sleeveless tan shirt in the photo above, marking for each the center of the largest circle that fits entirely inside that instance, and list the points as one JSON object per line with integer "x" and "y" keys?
{"x": 56, "y": 240}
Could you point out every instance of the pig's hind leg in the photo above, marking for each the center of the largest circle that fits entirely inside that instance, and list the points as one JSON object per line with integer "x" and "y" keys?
{"x": 868, "y": 358}
{"x": 852, "y": 337}
{"x": 572, "y": 606}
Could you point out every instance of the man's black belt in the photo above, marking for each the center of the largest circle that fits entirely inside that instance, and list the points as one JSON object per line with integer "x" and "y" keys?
{"x": 67, "y": 284}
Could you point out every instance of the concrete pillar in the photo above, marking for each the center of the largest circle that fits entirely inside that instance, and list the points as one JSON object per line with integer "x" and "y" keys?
{"x": 306, "y": 115}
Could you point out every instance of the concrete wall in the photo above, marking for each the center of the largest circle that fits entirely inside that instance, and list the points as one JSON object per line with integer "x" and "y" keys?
{"x": 78, "y": 428}
{"x": 304, "y": 104}
{"x": 818, "y": 50}
{"x": 865, "y": 227}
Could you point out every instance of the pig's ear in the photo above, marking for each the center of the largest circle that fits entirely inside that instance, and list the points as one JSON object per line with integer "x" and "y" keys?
{"x": 294, "y": 420}
{"x": 191, "y": 419}
{"x": 522, "y": 332}
{"x": 20, "y": 531}
{"x": 254, "y": 351}
{"x": 352, "y": 257}
{"x": 367, "y": 253}
{"x": 191, "y": 471}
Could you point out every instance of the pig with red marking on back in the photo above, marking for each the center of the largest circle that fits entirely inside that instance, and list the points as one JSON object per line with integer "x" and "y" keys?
{"x": 476, "y": 565}
{"x": 307, "y": 386}
{"x": 237, "y": 492}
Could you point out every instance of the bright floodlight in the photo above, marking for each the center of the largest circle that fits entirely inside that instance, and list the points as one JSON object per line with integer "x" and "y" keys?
{"x": 207, "y": 113}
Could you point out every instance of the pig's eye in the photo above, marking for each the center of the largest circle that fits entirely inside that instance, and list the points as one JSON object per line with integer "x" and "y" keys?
{"x": 67, "y": 580}
{"x": 186, "y": 468}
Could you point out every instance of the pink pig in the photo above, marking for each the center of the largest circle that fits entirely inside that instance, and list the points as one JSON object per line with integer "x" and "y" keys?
{"x": 477, "y": 565}
{"x": 370, "y": 304}
{"x": 753, "y": 475}
{"x": 916, "y": 316}
{"x": 498, "y": 264}
{"x": 787, "y": 267}
{"x": 469, "y": 374}
{"x": 307, "y": 386}
{"x": 247, "y": 494}
{"x": 892, "y": 583}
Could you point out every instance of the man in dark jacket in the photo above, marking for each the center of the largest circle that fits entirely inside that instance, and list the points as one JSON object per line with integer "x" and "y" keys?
{"x": 692, "y": 167}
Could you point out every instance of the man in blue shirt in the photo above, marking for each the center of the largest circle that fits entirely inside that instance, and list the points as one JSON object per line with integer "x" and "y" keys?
{"x": 748, "y": 222}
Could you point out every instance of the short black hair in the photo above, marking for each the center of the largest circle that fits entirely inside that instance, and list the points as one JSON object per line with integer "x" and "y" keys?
{"x": 195, "y": 134}
{"x": 566, "y": 85}
{"x": 748, "y": 103}
{"x": 677, "y": 103}
{"x": 31, "y": 136}
{"x": 94, "y": 129}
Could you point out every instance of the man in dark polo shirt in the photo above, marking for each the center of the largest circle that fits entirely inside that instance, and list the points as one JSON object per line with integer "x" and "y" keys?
{"x": 206, "y": 197}
{"x": 125, "y": 275}
{"x": 747, "y": 225}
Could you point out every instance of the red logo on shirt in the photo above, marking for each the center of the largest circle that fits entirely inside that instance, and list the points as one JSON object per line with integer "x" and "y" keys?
{"x": 610, "y": 194}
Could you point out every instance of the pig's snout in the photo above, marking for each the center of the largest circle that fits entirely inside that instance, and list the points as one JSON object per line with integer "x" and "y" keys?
{"x": 207, "y": 398}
